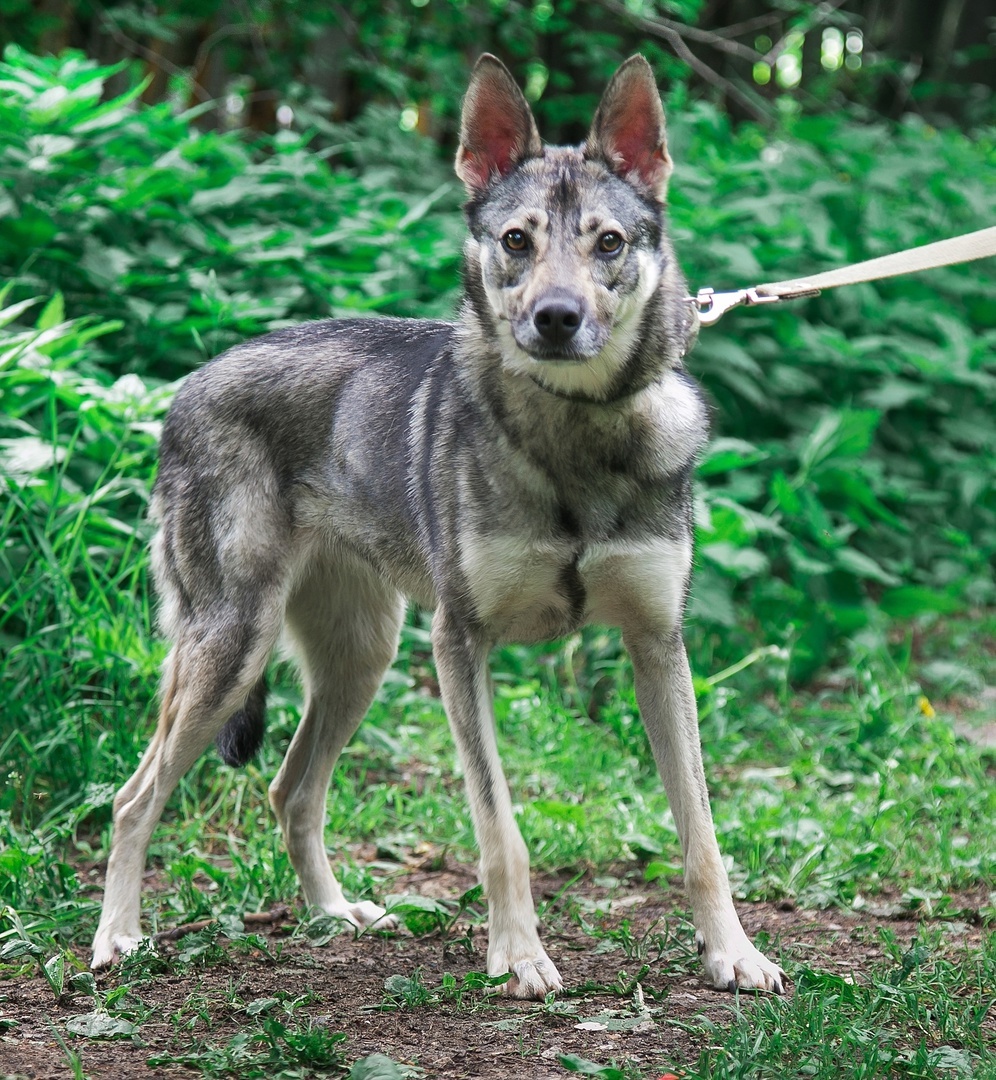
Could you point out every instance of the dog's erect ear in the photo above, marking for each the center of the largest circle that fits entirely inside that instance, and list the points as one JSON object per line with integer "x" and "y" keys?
{"x": 628, "y": 129}
{"x": 497, "y": 129}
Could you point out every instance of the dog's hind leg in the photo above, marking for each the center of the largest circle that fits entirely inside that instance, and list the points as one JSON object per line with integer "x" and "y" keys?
{"x": 208, "y": 675}
{"x": 513, "y": 941}
{"x": 666, "y": 698}
{"x": 344, "y": 623}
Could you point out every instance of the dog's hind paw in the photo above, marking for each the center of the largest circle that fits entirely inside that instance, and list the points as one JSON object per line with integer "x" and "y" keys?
{"x": 531, "y": 979}
{"x": 108, "y": 948}
{"x": 362, "y": 915}
{"x": 741, "y": 968}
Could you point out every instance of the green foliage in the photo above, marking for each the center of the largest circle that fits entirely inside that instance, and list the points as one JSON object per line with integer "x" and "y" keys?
{"x": 853, "y": 457}
{"x": 77, "y": 449}
{"x": 918, "y": 1014}
{"x": 195, "y": 240}
{"x": 856, "y": 435}
{"x": 273, "y": 1051}
{"x": 411, "y": 991}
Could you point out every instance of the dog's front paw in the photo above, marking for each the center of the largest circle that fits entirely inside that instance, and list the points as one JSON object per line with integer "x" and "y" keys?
{"x": 362, "y": 915}
{"x": 739, "y": 966}
{"x": 533, "y": 976}
{"x": 108, "y": 948}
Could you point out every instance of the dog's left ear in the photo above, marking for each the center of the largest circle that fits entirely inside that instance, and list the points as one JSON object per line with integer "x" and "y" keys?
{"x": 497, "y": 129}
{"x": 628, "y": 130}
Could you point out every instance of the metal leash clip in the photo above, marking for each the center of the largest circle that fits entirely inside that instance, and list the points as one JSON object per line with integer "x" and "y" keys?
{"x": 712, "y": 306}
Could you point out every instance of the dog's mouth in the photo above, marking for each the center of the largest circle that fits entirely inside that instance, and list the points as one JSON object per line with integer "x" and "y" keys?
{"x": 553, "y": 354}
{"x": 576, "y": 348}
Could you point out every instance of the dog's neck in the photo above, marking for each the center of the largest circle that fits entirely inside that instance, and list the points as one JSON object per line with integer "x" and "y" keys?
{"x": 580, "y": 398}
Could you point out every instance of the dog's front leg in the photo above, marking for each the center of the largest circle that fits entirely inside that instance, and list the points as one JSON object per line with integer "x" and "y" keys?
{"x": 513, "y": 942}
{"x": 667, "y": 704}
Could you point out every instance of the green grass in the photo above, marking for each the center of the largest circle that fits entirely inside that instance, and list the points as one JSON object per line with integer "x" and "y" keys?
{"x": 849, "y": 796}
{"x": 919, "y": 1014}
{"x": 826, "y": 798}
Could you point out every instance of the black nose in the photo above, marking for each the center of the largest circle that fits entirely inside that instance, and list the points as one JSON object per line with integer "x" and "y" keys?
{"x": 558, "y": 318}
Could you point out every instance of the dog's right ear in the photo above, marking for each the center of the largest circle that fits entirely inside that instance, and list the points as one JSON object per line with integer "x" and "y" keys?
{"x": 628, "y": 130}
{"x": 497, "y": 129}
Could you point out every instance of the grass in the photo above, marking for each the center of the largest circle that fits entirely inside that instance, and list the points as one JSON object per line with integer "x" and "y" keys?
{"x": 858, "y": 795}
{"x": 827, "y": 798}
{"x": 918, "y": 1014}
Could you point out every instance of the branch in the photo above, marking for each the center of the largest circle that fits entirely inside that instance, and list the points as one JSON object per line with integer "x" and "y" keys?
{"x": 673, "y": 33}
{"x": 669, "y": 30}
{"x": 153, "y": 58}
{"x": 750, "y": 26}
{"x": 208, "y": 43}
{"x": 276, "y": 914}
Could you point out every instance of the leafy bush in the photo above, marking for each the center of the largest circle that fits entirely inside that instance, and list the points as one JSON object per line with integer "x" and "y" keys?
{"x": 864, "y": 466}
{"x": 195, "y": 240}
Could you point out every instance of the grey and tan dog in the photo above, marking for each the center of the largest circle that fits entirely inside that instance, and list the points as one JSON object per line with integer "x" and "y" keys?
{"x": 523, "y": 471}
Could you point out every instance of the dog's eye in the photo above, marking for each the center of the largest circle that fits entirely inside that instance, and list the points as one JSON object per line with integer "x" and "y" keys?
{"x": 610, "y": 243}
{"x": 515, "y": 241}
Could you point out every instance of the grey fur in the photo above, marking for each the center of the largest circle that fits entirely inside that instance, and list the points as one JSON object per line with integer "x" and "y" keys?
{"x": 522, "y": 471}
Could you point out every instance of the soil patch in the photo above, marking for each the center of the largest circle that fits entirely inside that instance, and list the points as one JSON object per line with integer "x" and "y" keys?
{"x": 635, "y": 992}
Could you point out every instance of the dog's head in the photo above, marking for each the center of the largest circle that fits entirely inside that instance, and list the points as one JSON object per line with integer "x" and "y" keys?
{"x": 567, "y": 250}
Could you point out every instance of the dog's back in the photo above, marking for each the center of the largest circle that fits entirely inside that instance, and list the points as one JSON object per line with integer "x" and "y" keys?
{"x": 285, "y": 440}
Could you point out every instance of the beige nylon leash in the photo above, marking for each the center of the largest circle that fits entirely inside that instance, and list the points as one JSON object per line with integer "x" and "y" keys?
{"x": 712, "y": 305}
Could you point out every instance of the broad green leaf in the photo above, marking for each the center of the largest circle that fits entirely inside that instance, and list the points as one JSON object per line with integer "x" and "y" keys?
{"x": 55, "y": 973}
{"x": 576, "y": 1064}
{"x": 53, "y": 313}
{"x": 571, "y": 813}
{"x": 14, "y": 311}
{"x": 376, "y": 1067}
{"x": 739, "y": 562}
{"x": 400, "y": 905}
{"x": 722, "y": 455}
{"x": 100, "y": 1025}
{"x": 909, "y": 600}
{"x": 863, "y": 566}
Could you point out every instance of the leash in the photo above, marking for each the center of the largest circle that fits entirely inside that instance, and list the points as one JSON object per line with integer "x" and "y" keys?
{"x": 712, "y": 305}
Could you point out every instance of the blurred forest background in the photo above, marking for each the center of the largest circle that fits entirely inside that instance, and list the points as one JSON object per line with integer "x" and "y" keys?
{"x": 177, "y": 177}
{"x": 249, "y": 58}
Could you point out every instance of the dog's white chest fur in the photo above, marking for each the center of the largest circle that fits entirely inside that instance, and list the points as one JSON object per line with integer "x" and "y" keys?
{"x": 534, "y": 590}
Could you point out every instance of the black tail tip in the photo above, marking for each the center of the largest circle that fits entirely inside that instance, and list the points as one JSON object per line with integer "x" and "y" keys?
{"x": 240, "y": 739}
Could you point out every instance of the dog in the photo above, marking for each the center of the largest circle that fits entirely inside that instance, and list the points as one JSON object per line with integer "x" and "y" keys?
{"x": 523, "y": 471}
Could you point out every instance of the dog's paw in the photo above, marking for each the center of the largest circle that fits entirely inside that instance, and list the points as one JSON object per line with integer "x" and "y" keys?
{"x": 362, "y": 915}
{"x": 108, "y": 948}
{"x": 532, "y": 977}
{"x": 739, "y": 966}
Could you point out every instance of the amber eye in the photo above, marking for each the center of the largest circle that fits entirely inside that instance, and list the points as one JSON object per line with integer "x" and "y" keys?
{"x": 515, "y": 241}
{"x": 610, "y": 243}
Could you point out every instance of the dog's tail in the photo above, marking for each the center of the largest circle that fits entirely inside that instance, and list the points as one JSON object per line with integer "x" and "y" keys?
{"x": 239, "y": 740}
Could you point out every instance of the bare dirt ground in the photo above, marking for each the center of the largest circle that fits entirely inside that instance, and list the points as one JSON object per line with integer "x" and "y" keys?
{"x": 343, "y": 989}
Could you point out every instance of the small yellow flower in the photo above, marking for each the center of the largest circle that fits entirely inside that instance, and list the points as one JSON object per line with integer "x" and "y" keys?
{"x": 925, "y": 707}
